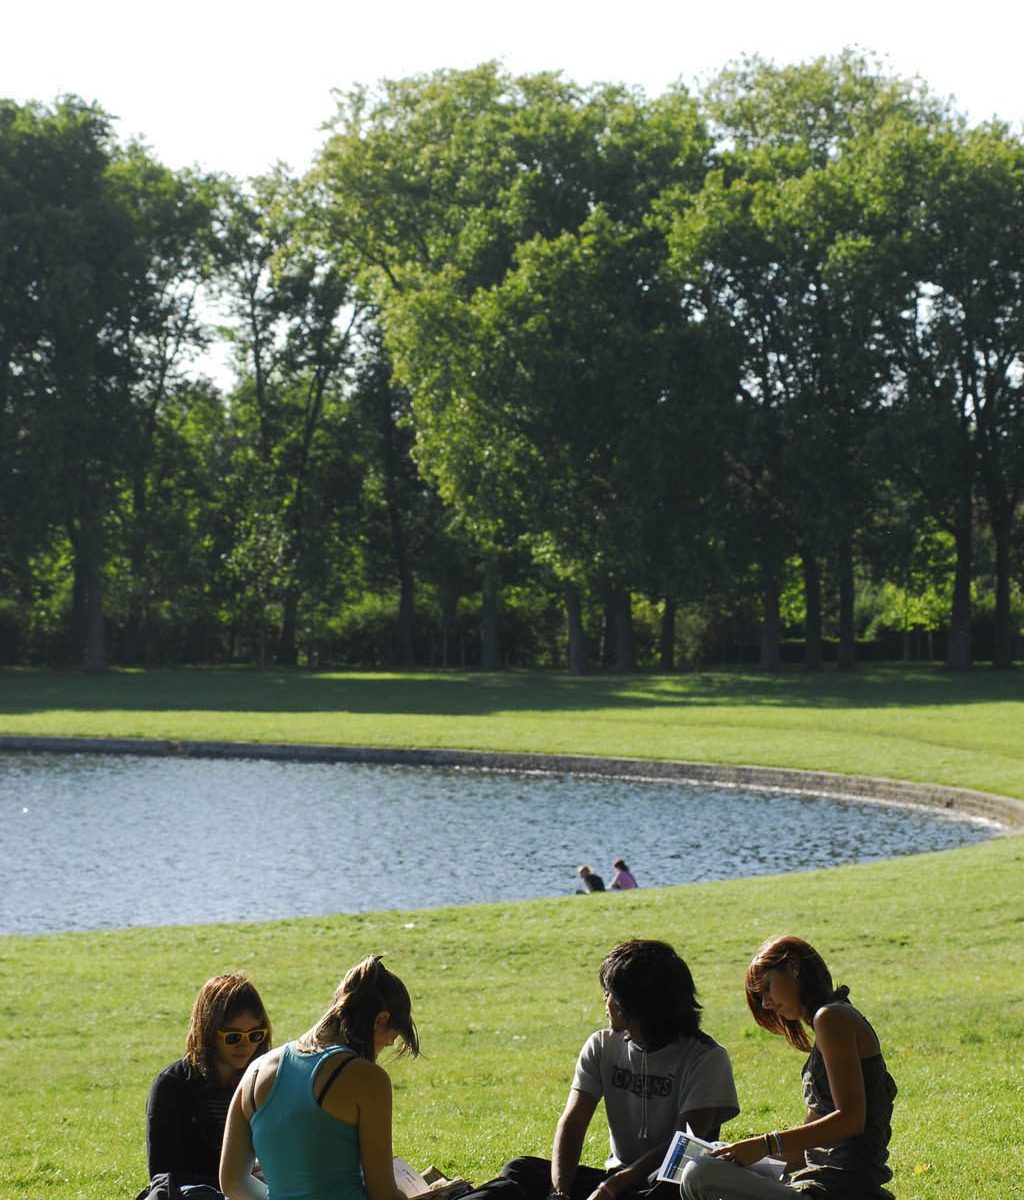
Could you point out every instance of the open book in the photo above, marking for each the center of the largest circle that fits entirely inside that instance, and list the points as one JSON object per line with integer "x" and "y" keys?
{"x": 685, "y": 1147}
{"x": 432, "y": 1182}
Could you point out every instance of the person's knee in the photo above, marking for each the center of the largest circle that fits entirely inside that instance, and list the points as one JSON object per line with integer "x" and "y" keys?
{"x": 695, "y": 1181}
{"x": 657, "y": 1189}
{"x": 525, "y": 1165}
{"x": 532, "y": 1175}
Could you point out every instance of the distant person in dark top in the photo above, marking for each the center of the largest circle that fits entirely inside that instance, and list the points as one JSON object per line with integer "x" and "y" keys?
{"x": 591, "y": 881}
{"x": 188, "y": 1101}
{"x": 623, "y": 879}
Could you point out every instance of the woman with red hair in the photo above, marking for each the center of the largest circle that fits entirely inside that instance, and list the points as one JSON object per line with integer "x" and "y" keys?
{"x": 840, "y": 1152}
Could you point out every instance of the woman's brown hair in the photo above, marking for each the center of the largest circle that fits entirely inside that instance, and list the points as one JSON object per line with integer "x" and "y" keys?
{"x": 221, "y": 999}
{"x": 368, "y": 988}
{"x": 814, "y": 985}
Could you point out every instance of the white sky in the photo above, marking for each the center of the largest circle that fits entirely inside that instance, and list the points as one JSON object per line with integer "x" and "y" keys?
{"x": 236, "y": 86}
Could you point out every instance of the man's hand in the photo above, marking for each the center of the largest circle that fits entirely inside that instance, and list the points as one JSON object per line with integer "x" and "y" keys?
{"x": 603, "y": 1191}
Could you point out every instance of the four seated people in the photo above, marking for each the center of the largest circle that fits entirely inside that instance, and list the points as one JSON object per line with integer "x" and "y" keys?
{"x": 312, "y": 1121}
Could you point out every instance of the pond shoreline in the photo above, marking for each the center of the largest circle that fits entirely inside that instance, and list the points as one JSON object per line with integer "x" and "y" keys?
{"x": 1005, "y": 812}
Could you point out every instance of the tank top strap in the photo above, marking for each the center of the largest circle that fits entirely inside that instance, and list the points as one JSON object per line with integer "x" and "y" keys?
{"x": 337, "y": 1069}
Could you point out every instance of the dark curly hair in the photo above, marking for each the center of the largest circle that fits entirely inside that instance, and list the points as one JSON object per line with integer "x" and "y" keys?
{"x": 654, "y": 989}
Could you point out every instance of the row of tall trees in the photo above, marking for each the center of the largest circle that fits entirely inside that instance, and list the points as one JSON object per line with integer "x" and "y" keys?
{"x": 569, "y": 350}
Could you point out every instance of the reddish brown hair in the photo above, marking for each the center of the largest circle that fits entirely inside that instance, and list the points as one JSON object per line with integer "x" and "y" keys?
{"x": 814, "y": 985}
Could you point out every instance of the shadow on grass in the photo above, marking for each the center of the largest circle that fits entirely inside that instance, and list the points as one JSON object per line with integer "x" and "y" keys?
{"x": 461, "y": 694}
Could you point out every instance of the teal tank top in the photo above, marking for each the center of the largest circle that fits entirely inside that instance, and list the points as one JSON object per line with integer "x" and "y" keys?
{"x": 305, "y": 1153}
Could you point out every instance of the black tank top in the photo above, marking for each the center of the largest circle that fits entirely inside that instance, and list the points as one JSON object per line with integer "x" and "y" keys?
{"x": 856, "y": 1168}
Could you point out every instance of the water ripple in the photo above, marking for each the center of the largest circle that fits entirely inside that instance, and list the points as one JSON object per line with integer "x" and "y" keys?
{"x": 96, "y": 842}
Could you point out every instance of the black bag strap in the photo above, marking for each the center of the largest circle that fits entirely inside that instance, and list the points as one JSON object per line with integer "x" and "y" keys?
{"x": 252, "y": 1091}
{"x": 332, "y": 1077}
{"x": 161, "y": 1187}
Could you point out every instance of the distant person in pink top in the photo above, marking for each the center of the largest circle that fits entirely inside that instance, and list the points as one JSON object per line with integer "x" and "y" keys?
{"x": 623, "y": 879}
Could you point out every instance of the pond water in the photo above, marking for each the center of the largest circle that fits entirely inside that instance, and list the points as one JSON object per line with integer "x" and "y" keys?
{"x": 95, "y": 841}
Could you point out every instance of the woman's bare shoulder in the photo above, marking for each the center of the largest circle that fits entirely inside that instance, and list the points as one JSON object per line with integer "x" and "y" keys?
{"x": 265, "y": 1061}
{"x": 843, "y": 1022}
{"x": 363, "y": 1071}
{"x": 837, "y": 1016}
{"x": 261, "y": 1072}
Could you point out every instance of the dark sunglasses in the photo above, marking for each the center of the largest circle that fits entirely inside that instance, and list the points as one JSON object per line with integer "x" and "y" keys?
{"x": 231, "y": 1037}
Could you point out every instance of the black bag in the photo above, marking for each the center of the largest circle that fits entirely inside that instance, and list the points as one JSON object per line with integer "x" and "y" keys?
{"x": 160, "y": 1187}
{"x": 163, "y": 1186}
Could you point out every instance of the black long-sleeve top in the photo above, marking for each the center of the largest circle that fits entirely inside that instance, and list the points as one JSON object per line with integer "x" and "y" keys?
{"x": 185, "y": 1117}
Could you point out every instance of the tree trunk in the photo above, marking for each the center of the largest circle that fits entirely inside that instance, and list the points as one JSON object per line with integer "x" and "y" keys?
{"x": 133, "y": 652}
{"x": 574, "y": 621}
{"x": 134, "y": 644}
{"x": 608, "y": 633}
{"x": 287, "y": 648}
{"x": 449, "y": 612}
{"x": 1002, "y": 646}
{"x": 490, "y": 655}
{"x": 771, "y": 622}
{"x": 812, "y": 603}
{"x": 667, "y": 655}
{"x": 958, "y": 652}
{"x": 79, "y": 593}
{"x": 404, "y": 650}
{"x": 87, "y": 629}
{"x": 95, "y": 636}
{"x": 623, "y": 630}
{"x": 847, "y": 628}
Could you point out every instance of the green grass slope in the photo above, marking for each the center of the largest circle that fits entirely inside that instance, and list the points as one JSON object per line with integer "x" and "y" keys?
{"x": 504, "y": 996}
{"x": 922, "y": 723}
{"x": 931, "y": 945}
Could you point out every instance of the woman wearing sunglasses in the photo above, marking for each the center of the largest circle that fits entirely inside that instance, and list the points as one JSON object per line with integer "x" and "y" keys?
{"x": 317, "y": 1111}
{"x": 188, "y": 1102}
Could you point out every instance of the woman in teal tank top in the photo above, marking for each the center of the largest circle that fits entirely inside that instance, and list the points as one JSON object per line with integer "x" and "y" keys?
{"x": 316, "y": 1113}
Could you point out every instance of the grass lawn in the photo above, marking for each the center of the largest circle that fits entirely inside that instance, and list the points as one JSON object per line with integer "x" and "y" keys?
{"x": 932, "y": 945}
{"x": 921, "y": 723}
{"x": 504, "y": 996}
